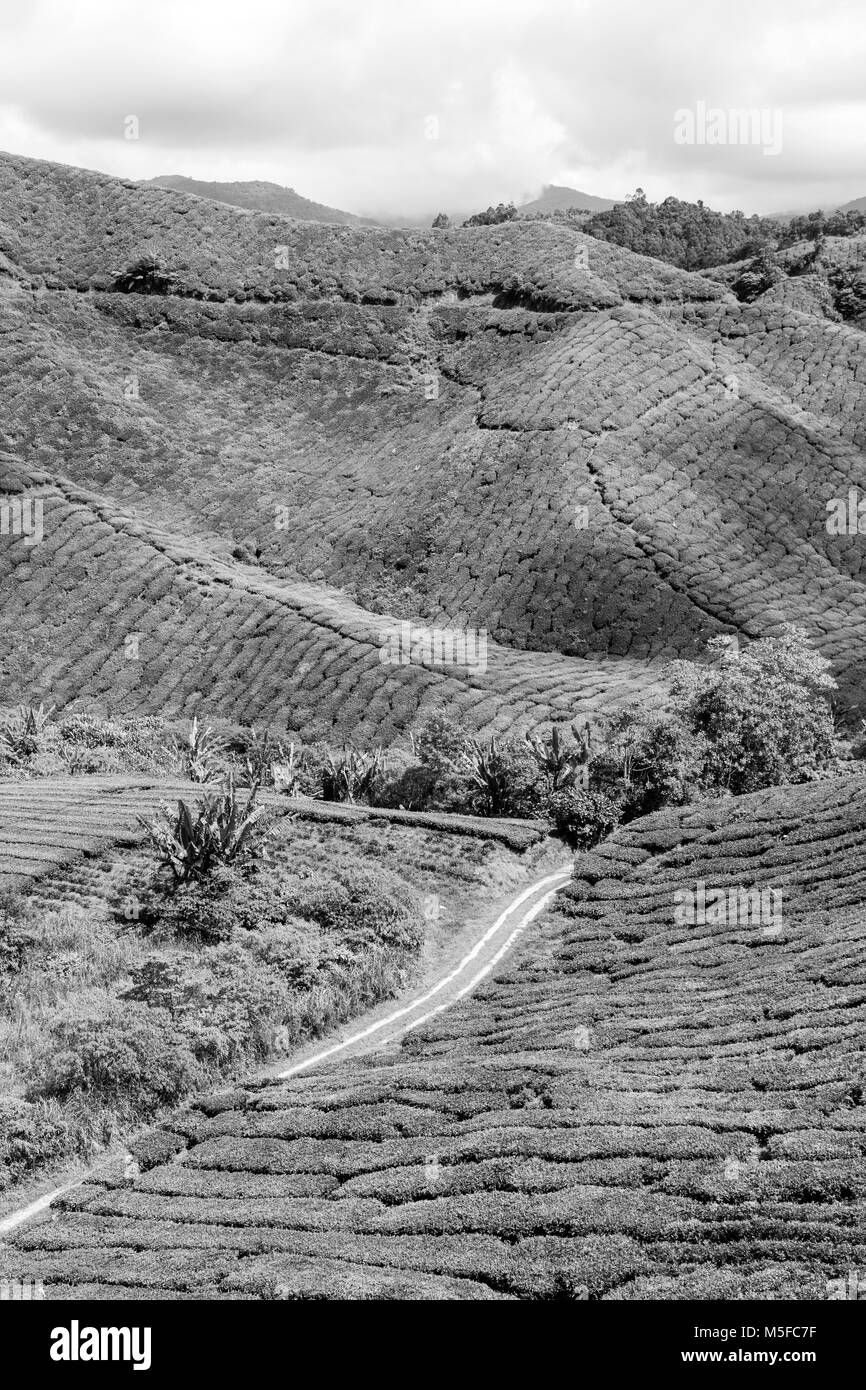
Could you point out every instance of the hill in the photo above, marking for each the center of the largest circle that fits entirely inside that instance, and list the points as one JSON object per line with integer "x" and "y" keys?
{"x": 632, "y": 1109}
{"x": 856, "y": 205}
{"x": 260, "y": 196}
{"x": 554, "y": 198}
{"x": 597, "y": 458}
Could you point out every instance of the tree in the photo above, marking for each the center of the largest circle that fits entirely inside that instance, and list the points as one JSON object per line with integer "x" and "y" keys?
{"x": 442, "y": 221}
{"x": 760, "y": 718}
{"x": 503, "y": 212}
{"x": 645, "y": 760}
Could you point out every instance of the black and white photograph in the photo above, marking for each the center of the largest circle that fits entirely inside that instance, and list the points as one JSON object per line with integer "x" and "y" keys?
{"x": 432, "y": 667}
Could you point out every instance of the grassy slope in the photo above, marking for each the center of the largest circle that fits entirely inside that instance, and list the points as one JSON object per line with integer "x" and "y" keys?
{"x": 305, "y": 388}
{"x": 499, "y": 1157}
{"x": 74, "y": 845}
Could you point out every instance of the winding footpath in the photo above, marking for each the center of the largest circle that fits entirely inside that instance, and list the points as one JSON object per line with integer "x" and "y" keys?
{"x": 379, "y": 1029}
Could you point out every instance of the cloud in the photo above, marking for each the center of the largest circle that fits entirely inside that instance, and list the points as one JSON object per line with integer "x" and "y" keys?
{"x": 388, "y": 108}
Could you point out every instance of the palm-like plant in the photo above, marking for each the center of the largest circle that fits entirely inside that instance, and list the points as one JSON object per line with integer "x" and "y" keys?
{"x": 288, "y": 771}
{"x": 21, "y": 732}
{"x": 203, "y": 754}
{"x": 566, "y": 764}
{"x": 192, "y": 841}
{"x": 263, "y": 750}
{"x": 352, "y": 775}
{"x": 488, "y": 771}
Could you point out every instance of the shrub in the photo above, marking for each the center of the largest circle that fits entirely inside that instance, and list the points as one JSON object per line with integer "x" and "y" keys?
{"x": 89, "y": 744}
{"x": 438, "y": 744}
{"x": 228, "y": 900}
{"x": 848, "y": 289}
{"x": 31, "y": 1135}
{"x": 131, "y": 1059}
{"x": 758, "y": 276}
{"x": 760, "y": 718}
{"x": 145, "y": 276}
{"x": 584, "y": 817}
{"x": 363, "y": 906}
{"x": 259, "y": 751}
{"x": 224, "y": 1006}
{"x": 564, "y": 764}
{"x": 290, "y": 949}
{"x": 203, "y": 754}
{"x": 411, "y": 789}
{"x": 220, "y": 831}
{"x": 18, "y": 933}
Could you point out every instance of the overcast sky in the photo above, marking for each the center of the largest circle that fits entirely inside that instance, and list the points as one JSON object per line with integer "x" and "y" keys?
{"x": 389, "y": 107}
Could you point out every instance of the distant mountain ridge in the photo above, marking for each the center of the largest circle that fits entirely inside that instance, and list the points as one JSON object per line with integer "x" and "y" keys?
{"x": 258, "y": 195}
{"x": 555, "y": 196}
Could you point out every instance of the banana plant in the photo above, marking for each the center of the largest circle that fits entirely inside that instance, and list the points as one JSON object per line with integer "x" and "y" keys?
{"x": 487, "y": 769}
{"x": 21, "y": 732}
{"x": 287, "y": 773}
{"x": 203, "y": 754}
{"x": 192, "y": 841}
{"x": 352, "y": 775}
{"x": 566, "y": 764}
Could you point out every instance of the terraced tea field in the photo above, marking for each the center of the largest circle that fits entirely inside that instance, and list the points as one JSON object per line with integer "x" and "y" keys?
{"x": 248, "y": 647}
{"x": 55, "y": 828}
{"x": 598, "y": 459}
{"x": 632, "y": 1108}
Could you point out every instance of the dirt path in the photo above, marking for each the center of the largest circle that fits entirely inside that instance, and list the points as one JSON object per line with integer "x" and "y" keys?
{"x": 384, "y": 1026}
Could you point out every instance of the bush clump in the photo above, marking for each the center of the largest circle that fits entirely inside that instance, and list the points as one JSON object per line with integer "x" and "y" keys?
{"x": 362, "y": 907}
{"x": 584, "y": 817}
{"x": 31, "y": 1135}
{"x": 193, "y": 841}
{"x": 145, "y": 276}
{"x": 130, "y": 1059}
{"x": 226, "y": 902}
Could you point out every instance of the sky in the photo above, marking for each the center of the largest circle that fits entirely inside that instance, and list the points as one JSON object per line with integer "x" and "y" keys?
{"x": 401, "y": 108}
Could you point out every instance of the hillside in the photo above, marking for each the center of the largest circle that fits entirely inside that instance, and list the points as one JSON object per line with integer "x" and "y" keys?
{"x": 402, "y": 426}
{"x": 632, "y": 1109}
{"x": 260, "y": 196}
{"x": 555, "y": 197}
